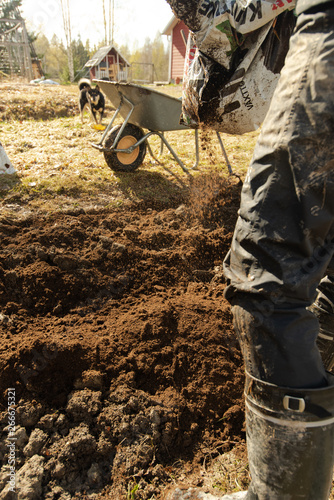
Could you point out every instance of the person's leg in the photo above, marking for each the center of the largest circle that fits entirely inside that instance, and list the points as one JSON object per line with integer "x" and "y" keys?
{"x": 281, "y": 248}
{"x": 282, "y": 245}
{"x": 283, "y": 240}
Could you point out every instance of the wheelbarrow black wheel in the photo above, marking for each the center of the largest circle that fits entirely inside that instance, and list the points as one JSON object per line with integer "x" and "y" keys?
{"x": 125, "y": 162}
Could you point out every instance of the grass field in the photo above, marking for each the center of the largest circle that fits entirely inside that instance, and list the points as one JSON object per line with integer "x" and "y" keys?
{"x": 57, "y": 168}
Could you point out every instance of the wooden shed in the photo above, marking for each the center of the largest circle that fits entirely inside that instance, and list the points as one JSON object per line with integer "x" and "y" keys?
{"x": 178, "y": 33}
{"x": 108, "y": 63}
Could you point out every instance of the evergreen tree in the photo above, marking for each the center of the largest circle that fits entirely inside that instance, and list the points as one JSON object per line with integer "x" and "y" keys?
{"x": 80, "y": 54}
{"x": 9, "y": 9}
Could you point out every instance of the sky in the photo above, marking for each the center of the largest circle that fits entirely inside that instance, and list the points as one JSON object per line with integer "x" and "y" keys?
{"x": 134, "y": 20}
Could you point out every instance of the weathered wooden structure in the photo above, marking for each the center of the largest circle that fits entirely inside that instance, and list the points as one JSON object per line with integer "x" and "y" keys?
{"x": 17, "y": 54}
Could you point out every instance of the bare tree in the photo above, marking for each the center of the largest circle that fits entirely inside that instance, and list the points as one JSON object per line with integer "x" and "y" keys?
{"x": 104, "y": 22}
{"x": 111, "y": 21}
{"x": 65, "y": 9}
{"x": 108, "y": 24}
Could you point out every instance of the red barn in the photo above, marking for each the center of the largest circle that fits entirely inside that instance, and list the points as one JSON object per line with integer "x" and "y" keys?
{"x": 178, "y": 33}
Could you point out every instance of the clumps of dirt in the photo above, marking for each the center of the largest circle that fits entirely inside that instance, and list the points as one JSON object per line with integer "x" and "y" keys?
{"x": 187, "y": 11}
{"x": 207, "y": 149}
{"x": 98, "y": 435}
{"x": 119, "y": 344}
{"x": 111, "y": 255}
{"x": 122, "y": 434}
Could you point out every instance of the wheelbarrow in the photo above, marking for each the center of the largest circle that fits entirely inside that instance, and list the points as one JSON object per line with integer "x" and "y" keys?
{"x": 124, "y": 146}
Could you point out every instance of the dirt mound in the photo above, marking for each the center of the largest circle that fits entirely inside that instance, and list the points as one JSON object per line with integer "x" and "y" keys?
{"x": 39, "y": 102}
{"x": 119, "y": 345}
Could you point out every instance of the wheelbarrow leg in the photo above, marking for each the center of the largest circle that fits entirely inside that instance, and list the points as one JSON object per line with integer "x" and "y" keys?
{"x": 197, "y": 150}
{"x": 184, "y": 168}
{"x": 161, "y": 145}
{"x": 164, "y": 141}
{"x": 169, "y": 147}
{"x": 151, "y": 152}
{"x": 194, "y": 167}
{"x": 224, "y": 153}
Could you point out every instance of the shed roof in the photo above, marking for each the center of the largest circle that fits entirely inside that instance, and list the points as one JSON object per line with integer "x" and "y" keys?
{"x": 101, "y": 54}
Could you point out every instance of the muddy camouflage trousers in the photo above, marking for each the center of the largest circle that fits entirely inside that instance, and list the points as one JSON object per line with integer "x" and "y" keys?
{"x": 323, "y": 308}
{"x": 284, "y": 237}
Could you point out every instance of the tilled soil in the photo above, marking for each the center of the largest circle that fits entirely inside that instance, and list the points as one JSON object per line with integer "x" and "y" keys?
{"x": 22, "y": 102}
{"x": 118, "y": 344}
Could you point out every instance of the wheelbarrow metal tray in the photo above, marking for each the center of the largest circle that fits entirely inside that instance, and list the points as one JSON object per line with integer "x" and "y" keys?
{"x": 153, "y": 110}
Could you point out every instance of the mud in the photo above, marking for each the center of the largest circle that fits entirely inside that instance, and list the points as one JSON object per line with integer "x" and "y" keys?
{"x": 118, "y": 346}
{"x": 186, "y": 11}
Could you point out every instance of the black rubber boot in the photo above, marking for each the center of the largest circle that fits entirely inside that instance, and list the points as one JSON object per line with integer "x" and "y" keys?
{"x": 290, "y": 441}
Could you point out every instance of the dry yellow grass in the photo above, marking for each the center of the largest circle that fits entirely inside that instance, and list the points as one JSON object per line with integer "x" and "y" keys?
{"x": 58, "y": 169}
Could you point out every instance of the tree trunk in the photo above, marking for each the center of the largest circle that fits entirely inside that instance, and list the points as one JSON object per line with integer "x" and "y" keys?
{"x": 65, "y": 8}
